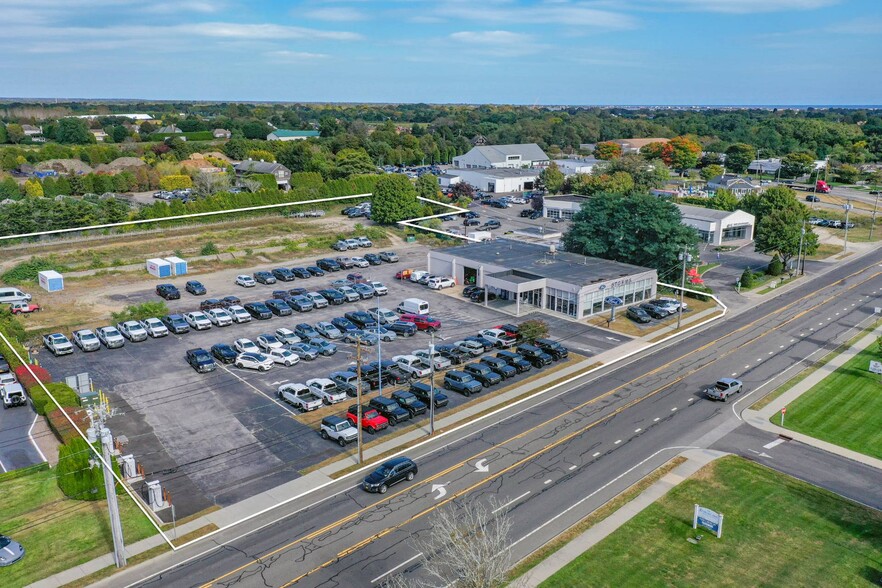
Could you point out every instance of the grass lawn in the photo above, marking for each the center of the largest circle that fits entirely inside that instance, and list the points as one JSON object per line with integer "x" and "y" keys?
{"x": 844, "y": 408}
{"x": 778, "y": 531}
{"x": 58, "y": 533}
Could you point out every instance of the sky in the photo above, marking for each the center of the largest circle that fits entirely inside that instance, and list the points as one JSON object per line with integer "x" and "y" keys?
{"x": 625, "y": 52}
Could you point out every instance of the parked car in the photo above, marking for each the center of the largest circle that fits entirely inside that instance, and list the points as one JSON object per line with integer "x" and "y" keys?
{"x": 264, "y": 278}
{"x": 299, "y": 396}
{"x": 259, "y": 310}
{"x": 283, "y": 356}
{"x": 515, "y": 360}
{"x": 363, "y": 337}
{"x": 300, "y": 303}
{"x": 371, "y": 420}
{"x": 283, "y": 274}
{"x": 382, "y": 316}
{"x": 468, "y": 290}
{"x": 239, "y": 314}
{"x": 210, "y": 303}
{"x": 23, "y": 307}
{"x": 472, "y": 348}
{"x": 498, "y": 337}
{"x": 132, "y": 330}
{"x": 267, "y": 341}
{"x": 373, "y": 258}
{"x": 254, "y": 361}
{"x": 324, "y": 347}
{"x": 366, "y": 291}
{"x": 424, "y": 392}
{"x": 200, "y": 360}
{"x": 327, "y": 390}
{"x": 439, "y": 361}
{"x": 154, "y": 327}
{"x": 349, "y": 293}
{"x": 403, "y": 328}
{"x": 86, "y": 340}
{"x": 361, "y": 318}
{"x": 10, "y": 551}
{"x": 328, "y": 330}
{"x": 638, "y": 315}
{"x": 656, "y": 312}
{"x": 483, "y": 373}
{"x": 389, "y": 256}
{"x": 360, "y": 262}
{"x": 110, "y": 337}
{"x": 441, "y": 283}
{"x": 500, "y": 366}
{"x": 413, "y": 365}
{"x": 279, "y": 307}
{"x": 318, "y": 301}
{"x": 245, "y": 345}
{"x": 487, "y": 344}
{"x": 245, "y": 281}
{"x": 287, "y": 336}
{"x": 224, "y": 352}
{"x": 338, "y": 429}
{"x": 389, "y": 409}
{"x": 534, "y": 355}
{"x": 344, "y": 324}
{"x": 334, "y": 297}
{"x": 304, "y": 350}
{"x": 452, "y": 353}
{"x": 315, "y": 271}
{"x": 168, "y": 291}
{"x": 364, "y": 242}
{"x": 301, "y": 272}
{"x": 305, "y": 331}
{"x": 328, "y": 265}
{"x": 219, "y": 317}
{"x": 552, "y": 348}
{"x": 195, "y": 288}
{"x": 198, "y": 320}
{"x": 461, "y": 382}
{"x": 382, "y": 333}
{"x": 380, "y": 289}
{"x": 422, "y": 322}
{"x": 228, "y": 301}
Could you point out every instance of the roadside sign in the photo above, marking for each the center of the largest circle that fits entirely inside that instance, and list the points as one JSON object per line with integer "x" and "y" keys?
{"x": 877, "y": 310}
{"x": 876, "y": 367}
{"x": 710, "y": 520}
{"x": 784, "y": 410}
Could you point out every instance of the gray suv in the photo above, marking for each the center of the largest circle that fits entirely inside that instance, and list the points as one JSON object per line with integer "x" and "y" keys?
{"x": 461, "y": 382}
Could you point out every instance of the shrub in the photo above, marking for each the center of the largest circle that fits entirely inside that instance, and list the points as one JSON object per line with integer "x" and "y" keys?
{"x": 176, "y": 182}
{"x": 700, "y": 288}
{"x": 747, "y": 280}
{"x": 209, "y": 249}
{"x": 533, "y": 329}
{"x": 776, "y": 266}
{"x": 27, "y": 271}
{"x": 61, "y": 426}
{"x": 141, "y": 311}
{"x": 76, "y": 475}
{"x": 267, "y": 181}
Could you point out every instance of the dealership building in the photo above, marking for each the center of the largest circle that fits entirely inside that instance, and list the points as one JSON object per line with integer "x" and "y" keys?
{"x": 718, "y": 227}
{"x": 527, "y": 276}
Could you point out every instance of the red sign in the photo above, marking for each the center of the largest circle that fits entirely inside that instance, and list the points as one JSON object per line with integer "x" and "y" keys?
{"x": 784, "y": 410}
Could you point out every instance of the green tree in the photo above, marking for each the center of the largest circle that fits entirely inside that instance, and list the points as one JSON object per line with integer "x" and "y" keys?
{"x": 33, "y": 189}
{"x": 552, "y": 178}
{"x": 9, "y": 189}
{"x": 395, "y": 199}
{"x": 711, "y": 171}
{"x": 739, "y": 156}
{"x": 260, "y": 155}
{"x": 353, "y": 162}
{"x": 607, "y": 150}
{"x": 747, "y": 279}
{"x": 118, "y": 133}
{"x": 723, "y": 199}
{"x": 780, "y": 232}
{"x": 4, "y": 137}
{"x": 775, "y": 198}
{"x": 638, "y": 229}
{"x": 681, "y": 153}
{"x": 794, "y": 165}
{"x": 847, "y": 174}
{"x": 776, "y": 266}
{"x": 176, "y": 182}
{"x": 14, "y": 133}
{"x": 533, "y": 329}
{"x": 615, "y": 183}
{"x": 427, "y": 187}
{"x": 73, "y": 131}
{"x": 255, "y": 130}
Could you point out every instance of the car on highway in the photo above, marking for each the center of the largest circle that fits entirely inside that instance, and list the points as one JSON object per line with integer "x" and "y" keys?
{"x": 390, "y": 473}
{"x": 154, "y": 327}
{"x": 264, "y": 278}
{"x": 195, "y": 288}
{"x": 176, "y": 324}
{"x": 254, "y": 361}
{"x": 723, "y": 389}
{"x": 245, "y": 281}
{"x": 110, "y": 337}
{"x": 224, "y": 352}
{"x": 200, "y": 360}
{"x": 812, "y": 198}
{"x": 132, "y": 330}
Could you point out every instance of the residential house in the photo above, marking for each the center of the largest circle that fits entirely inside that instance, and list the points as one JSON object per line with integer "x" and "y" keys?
{"x": 250, "y": 167}
{"x": 735, "y": 184}
{"x": 286, "y": 135}
{"x": 168, "y": 130}
{"x": 764, "y": 166}
{"x": 31, "y": 130}
{"x": 635, "y": 145}
{"x": 523, "y": 155}
{"x": 221, "y": 134}
{"x": 99, "y": 135}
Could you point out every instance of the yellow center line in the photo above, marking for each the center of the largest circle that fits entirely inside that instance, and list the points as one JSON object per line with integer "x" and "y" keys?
{"x": 357, "y": 513}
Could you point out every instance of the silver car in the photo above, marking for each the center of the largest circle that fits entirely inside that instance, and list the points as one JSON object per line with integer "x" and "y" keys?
{"x": 111, "y": 337}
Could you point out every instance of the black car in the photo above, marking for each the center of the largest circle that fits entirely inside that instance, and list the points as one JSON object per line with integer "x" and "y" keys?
{"x": 4, "y": 365}
{"x": 468, "y": 290}
{"x": 344, "y": 324}
{"x": 195, "y": 288}
{"x": 478, "y": 295}
{"x": 424, "y": 392}
{"x": 452, "y": 353}
{"x": 491, "y": 224}
{"x": 389, "y": 409}
{"x": 283, "y": 274}
{"x": 501, "y": 367}
{"x": 638, "y": 315}
{"x": 168, "y": 291}
{"x": 373, "y": 258}
{"x": 329, "y": 265}
{"x": 301, "y": 272}
{"x": 552, "y": 348}
{"x": 656, "y": 312}
{"x": 512, "y": 330}
{"x": 176, "y": 324}
{"x": 402, "y": 328}
{"x": 391, "y": 373}
{"x": 334, "y": 297}
{"x": 315, "y": 271}
{"x": 264, "y": 277}
{"x": 224, "y": 352}
{"x": 515, "y": 360}
{"x": 228, "y": 301}
{"x": 471, "y": 214}
{"x": 281, "y": 294}
{"x": 371, "y": 374}
{"x": 410, "y": 403}
{"x": 812, "y": 198}
{"x": 534, "y": 355}
{"x": 200, "y": 360}
{"x": 210, "y": 303}
{"x": 536, "y": 214}
{"x": 361, "y": 318}
{"x": 390, "y": 473}
{"x": 279, "y": 307}
{"x": 300, "y": 303}
{"x": 259, "y": 310}
{"x": 526, "y": 212}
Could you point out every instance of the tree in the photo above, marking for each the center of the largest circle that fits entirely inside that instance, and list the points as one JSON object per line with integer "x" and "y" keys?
{"x": 395, "y": 199}
{"x": 74, "y": 131}
{"x": 353, "y": 162}
{"x": 607, "y": 150}
{"x": 709, "y": 172}
{"x": 638, "y": 229}
{"x": 15, "y": 133}
{"x": 33, "y": 189}
{"x": 847, "y": 174}
{"x": 654, "y": 150}
{"x": 255, "y": 130}
{"x": 681, "y": 153}
{"x": 175, "y": 182}
{"x": 118, "y": 133}
{"x": 775, "y": 198}
{"x": 207, "y": 184}
{"x": 780, "y": 232}
{"x": 4, "y": 137}
{"x": 466, "y": 545}
{"x": 552, "y": 178}
{"x": 739, "y": 156}
{"x": 533, "y": 329}
{"x": 260, "y": 155}
{"x": 9, "y": 189}
{"x": 723, "y": 199}
{"x": 462, "y": 190}
{"x": 427, "y": 187}
{"x": 537, "y": 203}
{"x": 794, "y": 165}
{"x": 616, "y": 183}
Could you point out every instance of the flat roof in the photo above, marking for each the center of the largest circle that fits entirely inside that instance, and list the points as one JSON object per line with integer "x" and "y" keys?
{"x": 530, "y": 258}
{"x": 566, "y": 198}
{"x": 697, "y": 212}
{"x": 505, "y": 172}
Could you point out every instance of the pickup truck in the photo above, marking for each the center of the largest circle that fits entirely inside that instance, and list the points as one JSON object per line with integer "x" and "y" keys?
{"x": 724, "y": 388}
{"x": 498, "y": 337}
{"x": 132, "y": 330}
{"x": 326, "y": 390}
{"x": 300, "y": 396}
{"x": 412, "y": 365}
{"x": 13, "y": 395}
{"x": 441, "y": 362}
{"x": 58, "y": 344}
{"x": 346, "y": 381}
{"x": 154, "y": 327}
{"x": 23, "y": 307}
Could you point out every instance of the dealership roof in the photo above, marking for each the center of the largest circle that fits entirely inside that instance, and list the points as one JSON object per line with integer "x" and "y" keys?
{"x": 539, "y": 260}
{"x": 706, "y": 214}
{"x": 505, "y": 172}
{"x": 578, "y": 198}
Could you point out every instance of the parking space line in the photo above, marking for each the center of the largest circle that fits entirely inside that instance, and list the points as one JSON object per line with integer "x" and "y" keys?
{"x": 34, "y": 441}
{"x": 3, "y": 467}
{"x": 257, "y": 390}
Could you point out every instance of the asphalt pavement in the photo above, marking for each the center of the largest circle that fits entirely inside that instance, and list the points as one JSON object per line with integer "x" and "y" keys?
{"x": 17, "y": 448}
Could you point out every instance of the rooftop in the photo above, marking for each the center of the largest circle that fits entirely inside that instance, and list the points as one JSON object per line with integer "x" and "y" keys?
{"x": 506, "y": 172}
{"x": 700, "y": 213}
{"x": 500, "y": 153}
{"x": 287, "y": 133}
{"x": 529, "y": 258}
{"x": 577, "y": 198}
{"x": 641, "y": 143}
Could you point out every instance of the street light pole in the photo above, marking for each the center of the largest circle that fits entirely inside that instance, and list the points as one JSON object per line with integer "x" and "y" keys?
{"x": 358, "y": 399}
{"x": 432, "y": 384}
{"x": 686, "y": 258}
{"x": 847, "y": 208}
{"x": 799, "y": 252}
{"x": 875, "y": 206}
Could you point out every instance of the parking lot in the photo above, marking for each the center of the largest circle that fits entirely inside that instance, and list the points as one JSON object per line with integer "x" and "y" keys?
{"x": 220, "y": 437}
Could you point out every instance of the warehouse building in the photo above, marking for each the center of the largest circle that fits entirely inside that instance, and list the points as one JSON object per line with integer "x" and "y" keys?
{"x": 502, "y": 156}
{"x": 718, "y": 226}
{"x": 527, "y": 276}
{"x": 563, "y": 206}
{"x": 492, "y": 180}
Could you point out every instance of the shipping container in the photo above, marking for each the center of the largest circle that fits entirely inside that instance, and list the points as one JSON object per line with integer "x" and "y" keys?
{"x": 159, "y": 268}
{"x": 51, "y": 281}
{"x": 179, "y": 266}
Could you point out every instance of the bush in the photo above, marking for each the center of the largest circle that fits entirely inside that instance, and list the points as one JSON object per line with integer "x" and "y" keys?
{"x": 533, "y": 329}
{"x": 747, "y": 279}
{"x": 209, "y": 249}
{"x": 700, "y": 288}
{"x": 75, "y": 474}
{"x": 61, "y": 426}
{"x": 176, "y": 182}
{"x": 191, "y": 136}
{"x": 267, "y": 181}
{"x": 141, "y": 311}
{"x": 64, "y": 394}
{"x": 27, "y": 270}
{"x": 776, "y": 266}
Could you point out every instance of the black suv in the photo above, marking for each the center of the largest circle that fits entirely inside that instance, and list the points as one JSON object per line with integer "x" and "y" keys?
{"x": 283, "y": 274}
{"x": 361, "y": 318}
{"x": 500, "y": 366}
{"x": 409, "y": 402}
{"x": 553, "y": 348}
{"x": 259, "y": 310}
{"x": 279, "y": 307}
{"x": 200, "y": 360}
{"x": 392, "y": 374}
{"x": 452, "y": 353}
{"x": 393, "y": 471}
{"x": 301, "y": 272}
{"x": 264, "y": 277}
{"x": 534, "y": 355}
{"x": 483, "y": 373}
{"x": 461, "y": 382}
{"x": 424, "y": 392}
{"x": 328, "y": 265}
{"x": 334, "y": 297}
{"x": 195, "y": 288}
{"x": 389, "y": 409}
{"x": 168, "y": 291}
{"x": 176, "y": 324}
{"x": 224, "y": 352}
{"x": 515, "y": 360}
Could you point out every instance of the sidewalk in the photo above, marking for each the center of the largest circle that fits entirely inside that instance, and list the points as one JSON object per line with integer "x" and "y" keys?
{"x": 695, "y": 460}
{"x": 760, "y": 418}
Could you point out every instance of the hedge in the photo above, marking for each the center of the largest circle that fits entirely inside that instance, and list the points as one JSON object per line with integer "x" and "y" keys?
{"x": 22, "y": 472}
{"x": 175, "y": 182}
{"x": 191, "y": 136}
{"x": 64, "y": 394}
{"x": 76, "y": 476}
{"x": 61, "y": 426}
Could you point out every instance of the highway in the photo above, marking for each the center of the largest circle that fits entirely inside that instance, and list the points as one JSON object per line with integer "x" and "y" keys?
{"x": 555, "y": 459}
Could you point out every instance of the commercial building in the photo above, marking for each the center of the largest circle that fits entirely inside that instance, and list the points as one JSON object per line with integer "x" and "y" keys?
{"x": 286, "y": 135}
{"x": 492, "y": 180}
{"x": 764, "y": 166}
{"x": 718, "y": 226}
{"x": 563, "y": 206}
{"x": 635, "y": 145}
{"x": 527, "y": 276}
{"x": 734, "y": 183}
{"x": 502, "y": 156}
{"x": 571, "y": 167}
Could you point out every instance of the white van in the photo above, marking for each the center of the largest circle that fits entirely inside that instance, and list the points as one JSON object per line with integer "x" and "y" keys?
{"x": 10, "y": 295}
{"x": 413, "y": 306}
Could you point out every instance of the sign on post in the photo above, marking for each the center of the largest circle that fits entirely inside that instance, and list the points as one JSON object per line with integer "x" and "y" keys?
{"x": 876, "y": 367}
{"x": 710, "y": 520}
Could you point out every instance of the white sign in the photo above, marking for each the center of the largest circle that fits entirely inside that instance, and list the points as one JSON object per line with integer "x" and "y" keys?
{"x": 876, "y": 367}
{"x": 877, "y": 310}
{"x": 710, "y": 520}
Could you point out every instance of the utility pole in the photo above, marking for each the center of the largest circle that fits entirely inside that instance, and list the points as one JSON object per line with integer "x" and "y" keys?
{"x": 685, "y": 257}
{"x": 97, "y": 417}
{"x": 875, "y": 206}
{"x": 847, "y": 207}
{"x": 432, "y": 384}
{"x": 358, "y": 399}
{"x": 799, "y": 253}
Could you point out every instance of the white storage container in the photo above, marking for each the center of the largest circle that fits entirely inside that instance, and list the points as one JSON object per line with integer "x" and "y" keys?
{"x": 51, "y": 281}
{"x": 179, "y": 266}
{"x": 159, "y": 268}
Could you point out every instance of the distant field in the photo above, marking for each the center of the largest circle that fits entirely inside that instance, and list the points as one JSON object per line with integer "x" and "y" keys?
{"x": 777, "y": 531}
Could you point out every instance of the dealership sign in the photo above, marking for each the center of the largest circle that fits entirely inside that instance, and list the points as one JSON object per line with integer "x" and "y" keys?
{"x": 710, "y": 520}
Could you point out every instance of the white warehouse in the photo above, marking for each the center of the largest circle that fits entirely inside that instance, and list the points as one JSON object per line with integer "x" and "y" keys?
{"x": 502, "y": 156}
{"x": 492, "y": 180}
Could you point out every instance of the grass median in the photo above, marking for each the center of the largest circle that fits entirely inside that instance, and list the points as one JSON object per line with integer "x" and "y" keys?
{"x": 778, "y": 531}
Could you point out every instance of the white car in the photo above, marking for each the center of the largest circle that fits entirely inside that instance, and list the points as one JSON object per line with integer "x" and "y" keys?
{"x": 239, "y": 314}
{"x": 415, "y": 276}
{"x": 473, "y": 348}
{"x": 317, "y": 299}
{"x": 86, "y": 340}
{"x": 267, "y": 342}
{"x": 111, "y": 337}
{"x": 379, "y": 288}
{"x": 441, "y": 362}
{"x": 219, "y": 317}
{"x": 132, "y": 330}
{"x": 245, "y": 281}
{"x": 499, "y": 337}
{"x": 412, "y": 365}
{"x": 198, "y": 320}
{"x": 360, "y": 262}
{"x": 383, "y": 316}
{"x": 154, "y": 327}
{"x": 254, "y": 361}
{"x": 327, "y": 390}
{"x": 283, "y": 356}
{"x": 670, "y": 303}
{"x": 287, "y": 336}
{"x": 440, "y": 283}
{"x": 244, "y": 345}
{"x": 350, "y": 294}
{"x": 300, "y": 396}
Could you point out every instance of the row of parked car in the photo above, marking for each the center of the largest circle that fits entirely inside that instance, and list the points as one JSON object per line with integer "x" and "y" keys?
{"x": 659, "y": 308}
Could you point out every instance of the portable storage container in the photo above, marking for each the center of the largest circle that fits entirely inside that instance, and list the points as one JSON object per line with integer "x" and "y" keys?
{"x": 179, "y": 266}
{"x": 51, "y": 281}
{"x": 159, "y": 268}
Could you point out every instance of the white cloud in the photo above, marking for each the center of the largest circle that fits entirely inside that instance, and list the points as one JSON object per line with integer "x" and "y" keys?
{"x": 294, "y": 56}
{"x": 498, "y": 43}
{"x": 263, "y": 31}
{"x": 581, "y": 14}
{"x": 198, "y": 6}
{"x": 334, "y": 14}
{"x": 737, "y": 6}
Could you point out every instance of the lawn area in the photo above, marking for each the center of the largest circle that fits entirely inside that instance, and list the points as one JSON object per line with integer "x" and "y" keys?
{"x": 778, "y": 531}
{"x": 56, "y": 532}
{"x": 844, "y": 408}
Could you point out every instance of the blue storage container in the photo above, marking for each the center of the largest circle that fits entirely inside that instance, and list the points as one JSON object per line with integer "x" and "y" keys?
{"x": 159, "y": 268}
{"x": 179, "y": 266}
{"x": 51, "y": 281}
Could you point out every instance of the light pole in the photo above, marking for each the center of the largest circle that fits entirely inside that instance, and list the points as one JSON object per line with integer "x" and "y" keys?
{"x": 799, "y": 253}
{"x": 847, "y": 206}
{"x": 875, "y": 206}
{"x": 686, "y": 258}
{"x": 358, "y": 411}
{"x": 379, "y": 350}
{"x": 432, "y": 382}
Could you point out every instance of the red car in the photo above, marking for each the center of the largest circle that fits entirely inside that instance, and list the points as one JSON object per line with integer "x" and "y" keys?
{"x": 511, "y": 330}
{"x": 371, "y": 420}
{"x": 23, "y": 307}
{"x": 423, "y": 322}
